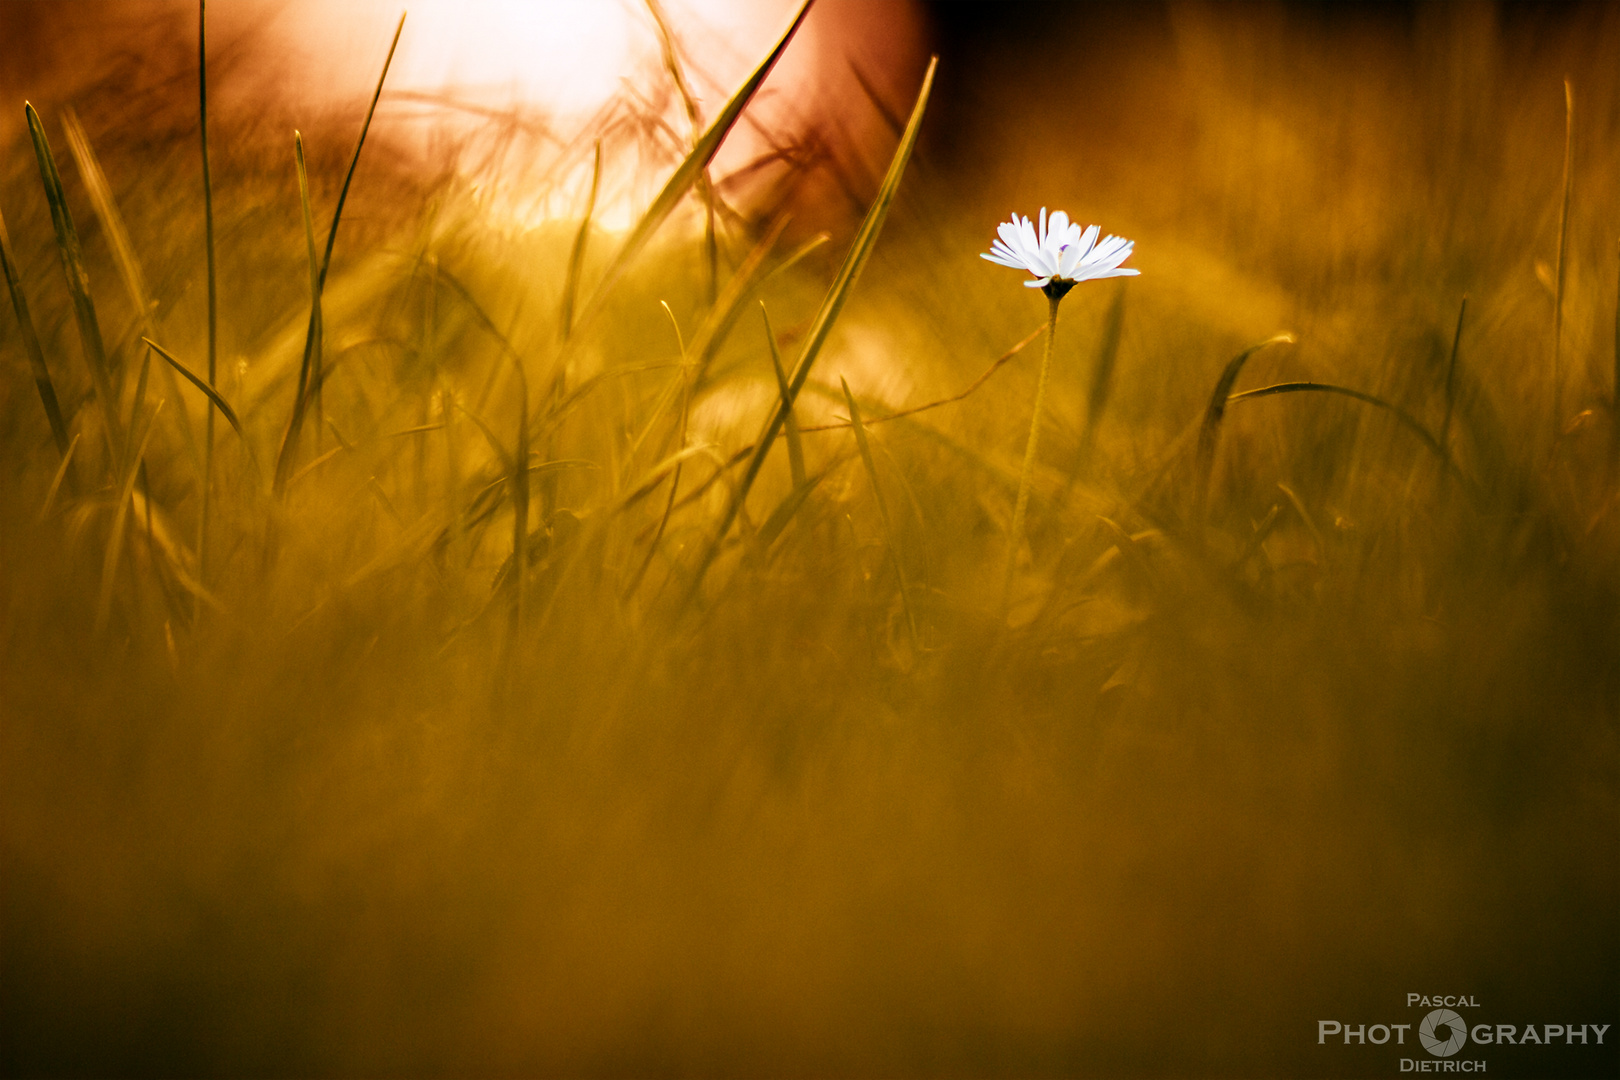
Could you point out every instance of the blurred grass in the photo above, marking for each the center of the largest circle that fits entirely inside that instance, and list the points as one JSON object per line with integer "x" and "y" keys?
{"x": 1346, "y": 735}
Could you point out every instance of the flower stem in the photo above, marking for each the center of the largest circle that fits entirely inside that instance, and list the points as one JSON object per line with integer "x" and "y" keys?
{"x": 1017, "y": 532}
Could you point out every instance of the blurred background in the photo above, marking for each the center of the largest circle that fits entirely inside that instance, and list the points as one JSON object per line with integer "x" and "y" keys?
{"x": 1358, "y": 738}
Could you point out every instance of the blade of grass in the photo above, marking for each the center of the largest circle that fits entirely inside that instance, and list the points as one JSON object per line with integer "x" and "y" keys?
{"x": 794, "y": 444}
{"x": 1000, "y": 362}
{"x": 576, "y": 257}
{"x": 84, "y": 308}
{"x": 210, "y": 392}
{"x": 687, "y": 173}
{"x": 213, "y": 298}
{"x": 832, "y": 305}
{"x": 679, "y": 461}
{"x": 123, "y": 251}
{"x": 1216, "y": 410}
{"x": 520, "y": 517}
{"x": 317, "y": 356}
{"x": 61, "y": 474}
{"x": 1451, "y": 376}
{"x": 1407, "y": 420}
{"x": 115, "y": 541}
{"x": 883, "y": 508}
{"x": 672, "y": 64}
{"x": 716, "y": 325}
{"x": 711, "y": 333}
{"x": 518, "y": 463}
{"x": 788, "y": 507}
{"x": 1563, "y": 245}
{"x": 295, "y": 423}
{"x": 1309, "y": 521}
{"x": 138, "y": 406}
{"x": 36, "y": 354}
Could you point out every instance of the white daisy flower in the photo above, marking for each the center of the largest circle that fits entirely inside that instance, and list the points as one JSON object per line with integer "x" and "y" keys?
{"x": 1059, "y": 254}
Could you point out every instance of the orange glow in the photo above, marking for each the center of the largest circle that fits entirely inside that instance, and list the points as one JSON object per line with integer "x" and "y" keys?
{"x": 561, "y": 65}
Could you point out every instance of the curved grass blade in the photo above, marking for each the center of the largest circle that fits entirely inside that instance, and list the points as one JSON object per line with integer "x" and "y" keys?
{"x": 1407, "y": 420}
{"x": 1210, "y": 431}
{"x": 848, "y": 274}
{"x": 295, "y": 423}
{"x": 36, "y": 354}
{"x": 1000, "y": 362}
{"x": 688, "y": 172}
{"x": 212, "y": 394}
{"x": 84, "y": 308}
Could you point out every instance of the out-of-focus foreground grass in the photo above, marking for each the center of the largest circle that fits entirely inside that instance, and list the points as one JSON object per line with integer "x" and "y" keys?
{"x": 1271, "y": 735}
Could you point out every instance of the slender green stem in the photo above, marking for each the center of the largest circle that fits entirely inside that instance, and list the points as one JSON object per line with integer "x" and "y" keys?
{"x": 213, "y": 310}
{"x": 1563, "y": 255}
{"x": 1017, "y": 532}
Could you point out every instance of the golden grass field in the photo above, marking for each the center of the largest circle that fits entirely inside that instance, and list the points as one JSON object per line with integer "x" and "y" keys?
{"x": 494, "y": 719}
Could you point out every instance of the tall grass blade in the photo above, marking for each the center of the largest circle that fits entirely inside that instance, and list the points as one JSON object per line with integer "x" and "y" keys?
{"x": 123, "y": 251}
{"x": 687, "y": 173}
{"x": 883, "y": 507}
{"x": 1563, "y": 255}
{"x": 794, "y": 444}
{"x": 213, "y": 298}
{"x": 84, "y": 308}
{"x": 1451, "y": 377}
{"x": 36, "y": 354}
{"x": 576, "y": 256}
{"x": 295, "y": 423}
{"x": 832, "y": 305}
{"x": 317, "y": 355}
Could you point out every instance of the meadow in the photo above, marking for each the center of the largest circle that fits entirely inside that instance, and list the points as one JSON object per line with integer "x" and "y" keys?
{"x": 564, "y": 648}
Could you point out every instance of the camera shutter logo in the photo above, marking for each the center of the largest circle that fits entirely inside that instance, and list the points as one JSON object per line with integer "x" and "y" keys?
{"x": 1443, "y": 1033}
